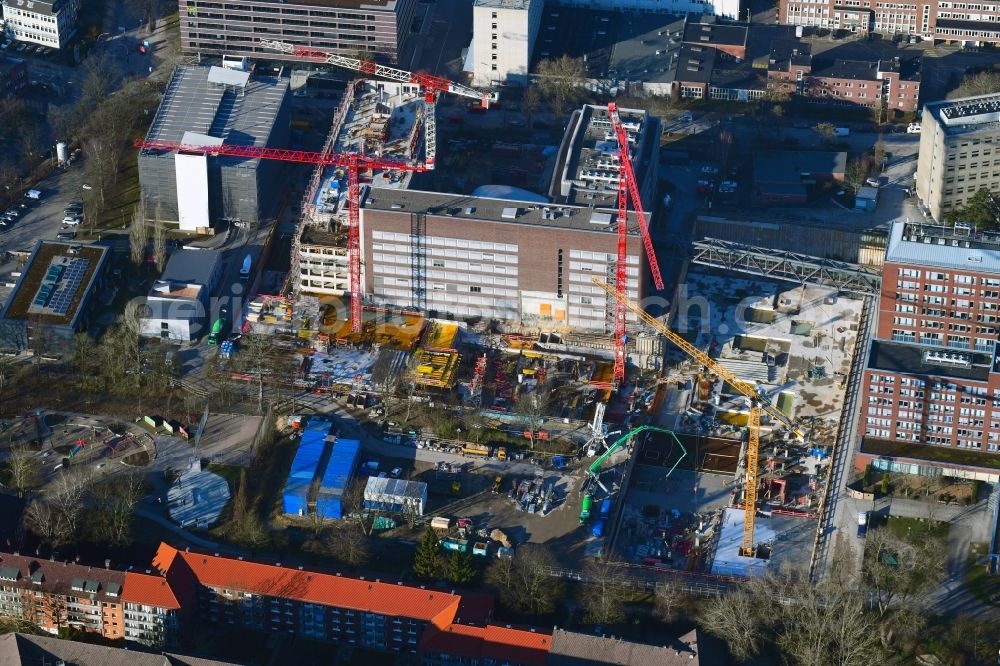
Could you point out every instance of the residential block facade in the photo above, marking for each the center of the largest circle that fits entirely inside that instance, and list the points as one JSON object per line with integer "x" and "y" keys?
{"x": 932, "y": 376}
{"x": 959, "y": 152}
{"x": 373, "y": 28}
{"x": 969, "y": 22}
{"x": 111, "y": 603}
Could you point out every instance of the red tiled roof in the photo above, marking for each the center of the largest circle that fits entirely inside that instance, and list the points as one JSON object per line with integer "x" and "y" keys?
{"x": 516, "y": 645}
{"x": 150, "y": 590}
{"x": 458, "y": 640}
{"x": 508, "y": 645}
{"x": 342, "y": 592}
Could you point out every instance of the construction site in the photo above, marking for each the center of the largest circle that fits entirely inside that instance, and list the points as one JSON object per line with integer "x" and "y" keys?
{"x": 704, "y": 444}
{"x": 776, "y": 362}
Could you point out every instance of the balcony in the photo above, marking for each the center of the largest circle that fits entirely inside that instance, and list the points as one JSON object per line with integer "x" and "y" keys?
{"x": 897, "y": 337}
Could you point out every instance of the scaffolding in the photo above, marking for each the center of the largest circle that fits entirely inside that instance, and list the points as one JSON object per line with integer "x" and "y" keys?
{"x": 790, "y": 266}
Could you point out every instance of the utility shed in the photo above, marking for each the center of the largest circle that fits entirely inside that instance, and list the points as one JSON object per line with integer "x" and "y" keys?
{"x": 339, "y": 470}
{"x": 396, "y": 495}
{"x": 305, "y": 466}
{"x": 866, "y": 198}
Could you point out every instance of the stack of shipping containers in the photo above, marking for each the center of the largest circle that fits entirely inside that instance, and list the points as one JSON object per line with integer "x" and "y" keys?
{"x": 304, "y": 469}
{"x": 343, "y": 460}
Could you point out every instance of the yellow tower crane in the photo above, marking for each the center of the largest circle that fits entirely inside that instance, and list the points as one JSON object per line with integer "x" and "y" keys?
{"x": 756, "y": 406}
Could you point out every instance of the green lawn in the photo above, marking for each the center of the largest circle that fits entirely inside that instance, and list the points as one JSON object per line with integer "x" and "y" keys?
{"x": 910, "y": 527}
{"x": 231, "y": 473}
{"x": 985, "y": 587}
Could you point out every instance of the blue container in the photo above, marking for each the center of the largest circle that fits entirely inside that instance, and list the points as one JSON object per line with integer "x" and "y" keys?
{"x": 304, "y": 469}
{"x": 339, "y": 470}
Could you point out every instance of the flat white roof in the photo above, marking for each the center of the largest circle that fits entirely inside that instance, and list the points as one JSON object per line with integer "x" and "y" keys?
{"x": 229, "y": 77}
{"x": 196, "y": 139}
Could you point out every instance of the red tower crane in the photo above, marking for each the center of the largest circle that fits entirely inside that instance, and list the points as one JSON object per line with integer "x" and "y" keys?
{"x": 431, "y": 85}
{"x": 627, "y": 188}
{"x": 352, "y": 161}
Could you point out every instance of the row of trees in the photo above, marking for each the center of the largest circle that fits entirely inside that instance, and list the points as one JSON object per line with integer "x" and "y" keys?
{"x": 842, "y": 620}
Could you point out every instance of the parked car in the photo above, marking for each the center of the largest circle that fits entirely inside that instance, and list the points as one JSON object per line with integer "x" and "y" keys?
{"x": 66, "y": 235}
{"x": 71, "y": 221}
{"x": 913, "y": 128}
{"x": 710, "y": 170}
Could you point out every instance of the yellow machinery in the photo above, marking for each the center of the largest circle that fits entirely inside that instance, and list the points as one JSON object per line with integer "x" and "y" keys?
{"x": 756, "y": 406}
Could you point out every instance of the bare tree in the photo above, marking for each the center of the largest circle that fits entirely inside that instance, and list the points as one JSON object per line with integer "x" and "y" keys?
{"x": 901, "y": 571}
{"x": 151, "y": 12}
{"x": 669, "y": 601}
{"x": 138, "y": 235}
{"x": 66, "y": 496}
{"x": 113, "y": 503}
{"x": 257, "y": 356}
{"x": 348, "y": 544}
{"x": 605, "y": 592}
{"x": 45, "y": 520}
{"x": 387, "y": 379}
{"x": 159, "y": 244}
{"x": 734, "y": 617}
{"x": 562, "y": 82}
{"x": 22, "y": 465}
{"x": 982, "y": 83}
{"x": 532, "y": 407}
{"x": 826, "y": 130}
{"x": 353, "y": 501}
{"x": 524, "y": 582}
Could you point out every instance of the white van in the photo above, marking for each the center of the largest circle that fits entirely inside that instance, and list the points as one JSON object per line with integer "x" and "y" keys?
{"x": 33, "y": 194}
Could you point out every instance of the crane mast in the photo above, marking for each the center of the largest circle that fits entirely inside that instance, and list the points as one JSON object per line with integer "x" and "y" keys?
{"x": 627, "y": 188}
{"x": 757, "y": 405}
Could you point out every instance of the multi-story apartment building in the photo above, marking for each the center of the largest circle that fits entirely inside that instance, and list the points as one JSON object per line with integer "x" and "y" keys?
{"x": 152, "y": 609}
{"x": 932, "y": 377}
{"x": 55, "y": 594}
{"x": 968, "y": 22}
{"x": 503, "y": 39}
{"x": 372, "y": 28}
{"x": 959, "y": 152}
{"x": 465, "y": 257}
{"x": 13, "y": 77}
{"x": 51, "y": 23}
{"x": 403, "y": 619}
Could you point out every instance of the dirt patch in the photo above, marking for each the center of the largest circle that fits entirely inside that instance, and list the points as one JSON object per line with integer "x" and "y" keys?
{"x": 137, "y": 459}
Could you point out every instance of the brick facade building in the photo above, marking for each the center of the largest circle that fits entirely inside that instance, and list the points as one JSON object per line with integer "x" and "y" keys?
{"x": 932, "y": 376}
{"x": 977, "y": 23}
{"x": 510, "y": 260}
{"x": 114, "y": 604}
{"x": 892, "y": 84}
